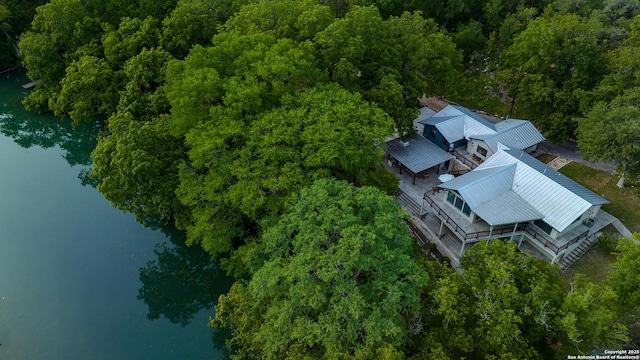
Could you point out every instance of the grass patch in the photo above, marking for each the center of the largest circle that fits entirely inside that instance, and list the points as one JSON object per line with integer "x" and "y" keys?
{"x": 545, "y": 158}
{"x": 625, "y": 203}
{"x": 594, "y": 264}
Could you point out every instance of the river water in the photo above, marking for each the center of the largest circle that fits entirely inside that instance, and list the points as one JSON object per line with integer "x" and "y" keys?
{"x": 78, "y": 278}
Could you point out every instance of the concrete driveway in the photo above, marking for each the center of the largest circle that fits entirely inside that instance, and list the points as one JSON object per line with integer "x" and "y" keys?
{"x": 570, "y": 150}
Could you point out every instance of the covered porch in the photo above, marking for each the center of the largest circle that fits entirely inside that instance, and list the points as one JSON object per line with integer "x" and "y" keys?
{"x": 415, "y": 155}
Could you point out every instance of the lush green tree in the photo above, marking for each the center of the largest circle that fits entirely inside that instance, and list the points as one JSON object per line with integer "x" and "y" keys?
{"x": 316, "y": 133}
{"x": 48, "y": 48}
{"x": 551, "y": 64}
{"x": 193, "y": 22}
{"x": 136, "y": 160}
{"x": 296, "y": 20}
{"x": 624, "y": 277}
{"x": 89, "y": 87}
{"x": 430, "y": 62}
{"x": 392, "y": 62}
{"x": 610, "y": 132}
{"x": 7, "y": 52}
{"x": 507, "y": 304}
{"x": 337, "y": 281}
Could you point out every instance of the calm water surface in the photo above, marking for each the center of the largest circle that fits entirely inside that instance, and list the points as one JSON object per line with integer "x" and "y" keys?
{"x": 78, "y": 278}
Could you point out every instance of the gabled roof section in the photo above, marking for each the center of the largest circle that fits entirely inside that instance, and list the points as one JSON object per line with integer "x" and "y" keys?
{"x": 560, "y": 199}
{"x": 424, "y": 113}
{"x": 452, "y": 129}
{"x": 482, "y": 185}
{"x": 559, "y": 178}
{"x": 475, "y": 117}
{"x": 436, "y": 120}
{"x": 508, "y": 208}
{"x": 457, "y": 122}
{"x": 421, "y": 154}
{"x": 517, "y": 134}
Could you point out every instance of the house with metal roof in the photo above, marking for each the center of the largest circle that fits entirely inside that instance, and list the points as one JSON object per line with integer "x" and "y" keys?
{"x": 514, "y": 195}
{"x": 455, "y": 127}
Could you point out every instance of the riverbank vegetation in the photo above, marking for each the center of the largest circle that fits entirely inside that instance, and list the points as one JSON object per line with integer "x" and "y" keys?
{"x": 255, "y": 127}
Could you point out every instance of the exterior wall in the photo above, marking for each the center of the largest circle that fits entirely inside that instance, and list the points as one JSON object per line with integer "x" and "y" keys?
{"x": 460, "y": 143}
{"x": 438, "y": 136}
{"x": 471, "y": 217}
{"x": 589, "y": 214}
{"x": 472, "y": 148}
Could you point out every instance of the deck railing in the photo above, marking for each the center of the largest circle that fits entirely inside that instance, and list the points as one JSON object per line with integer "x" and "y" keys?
{"x": 533, "y": 233}
{"x": 464, "y": 160}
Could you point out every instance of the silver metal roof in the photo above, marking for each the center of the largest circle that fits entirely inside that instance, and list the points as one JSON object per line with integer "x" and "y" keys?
{"x": 452, "y": 129}
{"x": 508, "y": 208}
{"x": 475, "y": 117}
{"x": 480, "y": 186}
{"x": 560, "y": 199}
{"x": 421, "y": 154}
{"x": 424, "y": 113}
{"x": 436, "y": 119}
{"x": 518, "y": 134}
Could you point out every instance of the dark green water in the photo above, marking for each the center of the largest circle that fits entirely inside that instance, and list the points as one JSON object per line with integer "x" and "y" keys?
{"x": 78, "y": 278}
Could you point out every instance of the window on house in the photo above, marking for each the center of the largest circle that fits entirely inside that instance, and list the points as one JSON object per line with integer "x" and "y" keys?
{"x": 542, "y": 225}
{"x": 433, "y": 133}
{"x": 466, "y": 210}
{"x": 458, "y": 203}
{"x": 482, "y": 151}
{"x": 445, "y": 142}
{"x": 451, "y": 197}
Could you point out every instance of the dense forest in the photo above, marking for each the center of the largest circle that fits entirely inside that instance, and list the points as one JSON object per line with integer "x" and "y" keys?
{"x": 254, "y": 126}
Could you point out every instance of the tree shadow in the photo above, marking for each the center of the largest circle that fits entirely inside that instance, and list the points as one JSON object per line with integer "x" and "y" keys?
{"x": 45, "y": 130}
{"x": 182, "y": 281}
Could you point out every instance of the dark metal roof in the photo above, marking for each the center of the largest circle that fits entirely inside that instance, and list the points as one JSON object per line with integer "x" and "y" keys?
{"x": 421, "y": 154}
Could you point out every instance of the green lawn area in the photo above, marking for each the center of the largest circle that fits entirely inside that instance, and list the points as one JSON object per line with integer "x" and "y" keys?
{"x": 625, "y": 203}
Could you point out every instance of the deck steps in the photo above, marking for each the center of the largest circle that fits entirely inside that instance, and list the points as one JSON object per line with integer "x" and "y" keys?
{"x": 408, "y": 203}
{"x": 572, "y": 257}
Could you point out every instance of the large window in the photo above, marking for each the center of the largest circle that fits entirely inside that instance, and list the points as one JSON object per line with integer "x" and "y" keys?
{"x": 451, "y": 197}
{"x": 482, "y": 151}
{"x": 466, "y": 210}
{"x": 542, "y": 225}
{"x": 457, "y": 202}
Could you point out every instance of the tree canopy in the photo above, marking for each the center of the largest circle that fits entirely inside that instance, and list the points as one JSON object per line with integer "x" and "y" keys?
{"x": 337, "y": 279}
{"x": 507, "y": 304}
{"x": 249, "y": 124}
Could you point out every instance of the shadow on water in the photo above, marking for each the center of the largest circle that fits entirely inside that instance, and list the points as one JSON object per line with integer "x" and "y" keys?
{"x": 45, "y": 131}
{"x": 181, "y": 282}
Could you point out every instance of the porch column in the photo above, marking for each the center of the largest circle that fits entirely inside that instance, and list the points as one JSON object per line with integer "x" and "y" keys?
{"x": 462, "y": 248}
{"x": 440, "y": 231}
{"x": 553, "y": 261}
{"x": 521, "y": 238}
{"x": 514, "y": 231}
{"x": 490, "y": 231}
{"x": 421, "y": 208}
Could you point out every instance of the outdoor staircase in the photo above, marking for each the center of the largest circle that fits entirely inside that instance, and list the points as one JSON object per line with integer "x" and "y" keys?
{"x": 407, "y": 202}
{"x": 572, "y": 257}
